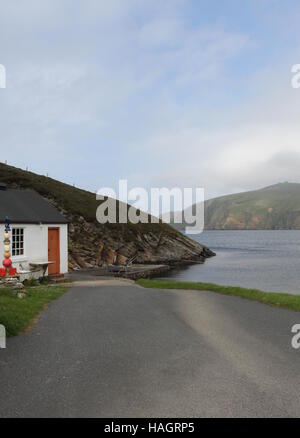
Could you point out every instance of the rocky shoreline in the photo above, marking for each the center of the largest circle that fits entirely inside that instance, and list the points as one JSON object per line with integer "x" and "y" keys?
{"x": 90, "y": 249}
{"x": 133, "y": 272}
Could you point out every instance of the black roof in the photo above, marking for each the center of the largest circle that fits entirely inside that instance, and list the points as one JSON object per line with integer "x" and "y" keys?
{"x": 27, "y": 207}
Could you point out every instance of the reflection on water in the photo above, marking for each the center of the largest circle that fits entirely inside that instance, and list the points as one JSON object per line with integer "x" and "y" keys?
{"x": 267, "y": 260}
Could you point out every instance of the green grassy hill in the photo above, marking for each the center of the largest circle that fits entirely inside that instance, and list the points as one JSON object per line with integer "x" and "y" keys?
{"x": 274, "y": 207}
{"x": 73, "y": 201}
{"x": 92, "y": 244}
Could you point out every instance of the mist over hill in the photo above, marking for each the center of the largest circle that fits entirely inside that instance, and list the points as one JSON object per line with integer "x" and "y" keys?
{"x": 272, "y": 208}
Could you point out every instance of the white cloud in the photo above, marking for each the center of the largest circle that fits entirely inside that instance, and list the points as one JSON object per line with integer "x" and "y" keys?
{"x": 132, "y": 89}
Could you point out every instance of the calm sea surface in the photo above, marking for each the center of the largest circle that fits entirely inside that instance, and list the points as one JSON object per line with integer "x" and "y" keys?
{"x": 267, "y": 260}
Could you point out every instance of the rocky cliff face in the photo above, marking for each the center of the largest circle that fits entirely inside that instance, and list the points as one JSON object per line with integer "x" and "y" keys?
{"x": 272, "y": 208}
{"x": 90, "y": 248}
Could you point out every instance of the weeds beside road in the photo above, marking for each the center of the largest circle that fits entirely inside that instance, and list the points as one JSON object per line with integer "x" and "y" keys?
{"x": 18, "y": 314}
{"x": 272, "y": 298}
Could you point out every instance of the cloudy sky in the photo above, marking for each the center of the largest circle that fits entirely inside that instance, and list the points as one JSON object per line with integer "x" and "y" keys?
{"x": 175, "y": 93}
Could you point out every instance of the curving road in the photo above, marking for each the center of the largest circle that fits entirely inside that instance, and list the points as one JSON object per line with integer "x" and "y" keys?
{"x": 125, "y": 351}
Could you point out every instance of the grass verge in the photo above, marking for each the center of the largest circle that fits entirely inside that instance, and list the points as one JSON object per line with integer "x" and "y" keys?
{"x": 272, "y": 298}
{"x": 17, "y": 314}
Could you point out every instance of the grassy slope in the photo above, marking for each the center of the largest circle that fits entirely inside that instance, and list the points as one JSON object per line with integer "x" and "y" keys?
{"x": 271, "y": 298}
{"x": 17, "y": 314}
{"x": 76, "y": 202}
{"x": 275, "y": 207}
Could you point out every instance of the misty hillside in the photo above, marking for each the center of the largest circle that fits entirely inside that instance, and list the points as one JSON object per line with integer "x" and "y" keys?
{"x": 92, "y": 244}
{"x": 271, "y": 208}
{"x": 274, "y": 207}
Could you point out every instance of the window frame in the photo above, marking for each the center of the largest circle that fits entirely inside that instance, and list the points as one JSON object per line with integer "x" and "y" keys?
{"x": 18, "y": 242}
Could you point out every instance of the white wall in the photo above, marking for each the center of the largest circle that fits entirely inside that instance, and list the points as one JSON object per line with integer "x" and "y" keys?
{"x": 36, "y": 245}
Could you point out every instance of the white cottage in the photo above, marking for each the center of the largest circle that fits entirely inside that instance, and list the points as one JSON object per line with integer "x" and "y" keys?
{"x": 39, "y": 233}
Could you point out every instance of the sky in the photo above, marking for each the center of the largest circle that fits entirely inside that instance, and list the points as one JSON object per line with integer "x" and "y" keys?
{"x": 179, "y": 93}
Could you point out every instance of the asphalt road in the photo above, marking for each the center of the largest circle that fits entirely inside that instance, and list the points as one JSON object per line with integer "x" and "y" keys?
{"x": 125, "y": 351}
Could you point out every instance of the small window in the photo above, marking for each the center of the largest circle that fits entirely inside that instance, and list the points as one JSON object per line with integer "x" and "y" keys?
{"x": 17, "y": 241}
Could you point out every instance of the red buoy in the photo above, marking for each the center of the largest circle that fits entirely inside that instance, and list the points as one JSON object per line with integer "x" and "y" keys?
{"x": 7, "y": 263}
